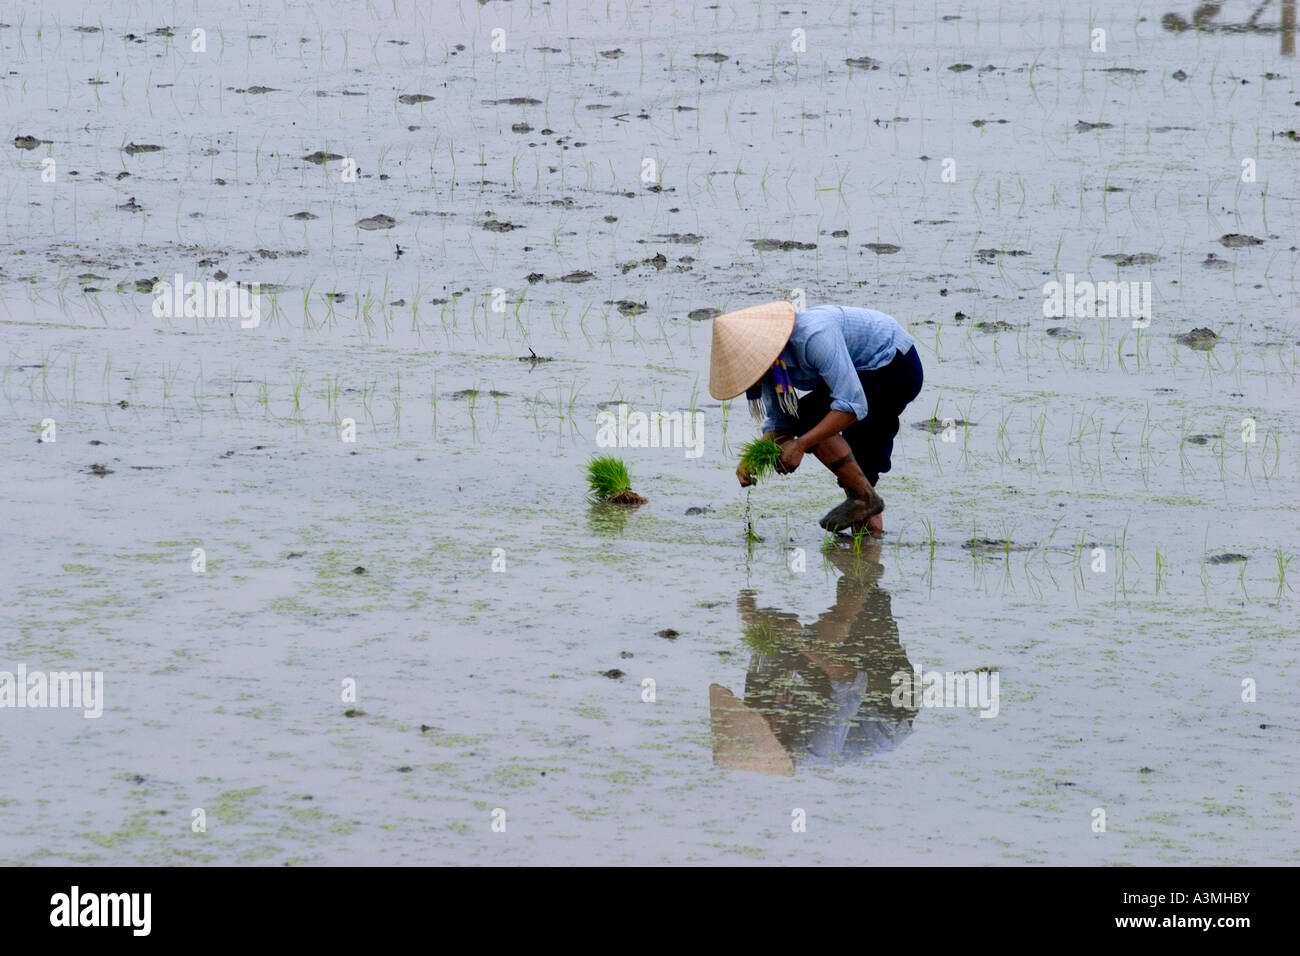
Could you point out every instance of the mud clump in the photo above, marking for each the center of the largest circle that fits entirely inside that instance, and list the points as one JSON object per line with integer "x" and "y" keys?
{"x": 990, "y": 255}
{"x": 626, "y": 498}
{"x": 1201, "y": 339}
{"x": 304, "y": 216}
{"x": 1134, "y": 259}
{"x": 320, "y": 158}
{"x": 613, "y": 673}
{"x": 1061, "y": 332}
{"x": 495, "y": 225}
{"x": 1235, "y": 240}
{"x": 379, "y": 221}
{"x": 132, "y": 149}
{"x": 628, "y": 307}
{"x": 993, "y": 327}
{"x": 659, "y": 261}
{"x": 780, "y": 245}
{"x": 411, "y": 99}
{"x": 936, "y": 425}
{"x": 26, "y": 142}
{"x": 1085, "y": 127}
{"x": 883, "y": 248}
{"x": 668, "y": 634}
{"x": 862, "y": 63}
{"x": 992, "y": 546}
{"x": 1229, "y": 558}
{"x": 702, "y": 315}
{"x": 580, "y": 276}
{"x": 100, "y": 470}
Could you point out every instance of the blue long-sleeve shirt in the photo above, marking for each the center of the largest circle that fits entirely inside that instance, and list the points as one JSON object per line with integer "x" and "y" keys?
{"x": 830, "y": 344}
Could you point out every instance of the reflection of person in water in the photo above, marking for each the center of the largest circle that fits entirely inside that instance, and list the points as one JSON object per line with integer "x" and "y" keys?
{"x": 820, "y": 694}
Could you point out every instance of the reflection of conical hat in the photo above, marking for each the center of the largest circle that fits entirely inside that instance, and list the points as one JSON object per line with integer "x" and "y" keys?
{"x": 745, "y": 344}
{"x": 742, "y": 740}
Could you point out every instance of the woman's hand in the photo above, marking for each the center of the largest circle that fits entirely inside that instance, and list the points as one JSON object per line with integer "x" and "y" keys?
{"x": 791, "y": 456}
{"x": 745, "y": 478}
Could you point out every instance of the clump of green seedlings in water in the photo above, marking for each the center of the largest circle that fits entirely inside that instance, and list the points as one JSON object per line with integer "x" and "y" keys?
{"x": 608, "y": 481}
{"x": 758, "y": 458}
{"x": 751, "y": 536}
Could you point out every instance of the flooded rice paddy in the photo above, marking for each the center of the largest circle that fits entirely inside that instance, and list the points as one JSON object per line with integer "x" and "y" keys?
{"x": 1097, "y": 510}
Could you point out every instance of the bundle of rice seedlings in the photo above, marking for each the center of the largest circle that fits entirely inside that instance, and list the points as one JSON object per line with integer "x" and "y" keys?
{"x": 759, "y": 457}
{"x": 608, "y": 480}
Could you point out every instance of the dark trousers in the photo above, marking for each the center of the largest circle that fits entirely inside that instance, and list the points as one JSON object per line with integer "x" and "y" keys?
{"x": 889, "y": 389}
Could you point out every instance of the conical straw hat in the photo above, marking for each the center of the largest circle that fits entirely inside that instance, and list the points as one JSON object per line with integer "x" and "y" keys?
{"x": 742, "y": 740}
{"x": 745, "y": 344}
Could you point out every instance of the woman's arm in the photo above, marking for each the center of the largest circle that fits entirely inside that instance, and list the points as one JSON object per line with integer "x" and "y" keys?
{"x": 834, "y": 423}
{"x": 829, "y": 353}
